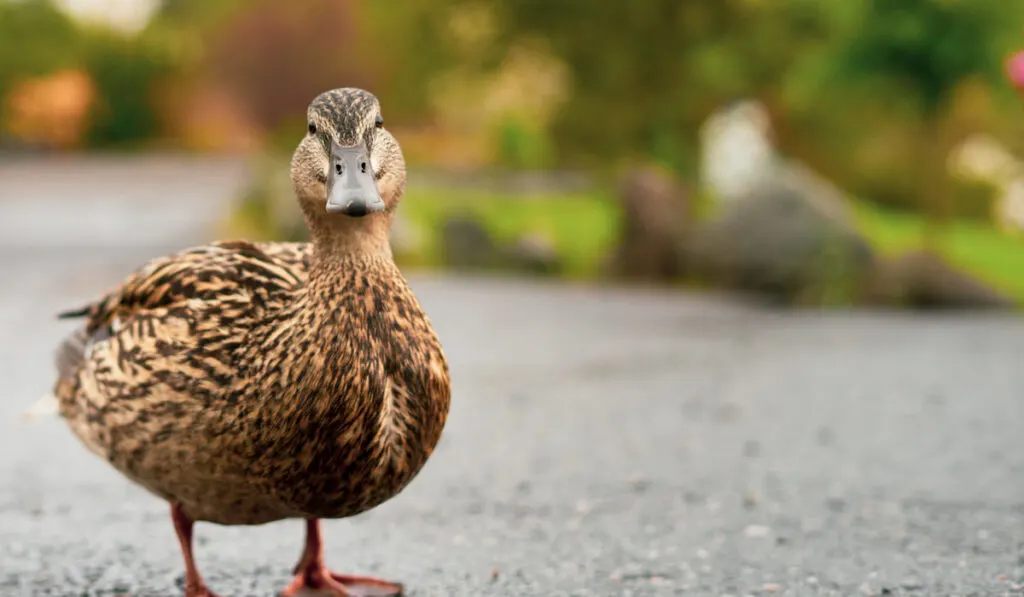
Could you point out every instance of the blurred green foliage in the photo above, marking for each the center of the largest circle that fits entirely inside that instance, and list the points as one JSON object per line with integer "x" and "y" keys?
{"x": 39, "y": 39}
{"x": 645, "y": 75}
{"x": 522, "y": 146}
{"x": 927, "y": 46}
{"x": 125, "y": 71}
{"x": 866, "y": 91}
{"x": 412, "y": 47}
{"x": 921, "y": 52}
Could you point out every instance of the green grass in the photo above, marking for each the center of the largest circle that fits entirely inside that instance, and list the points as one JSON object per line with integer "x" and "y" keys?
{"x": 976, "y": 247}
{"x": 582, "y": 226}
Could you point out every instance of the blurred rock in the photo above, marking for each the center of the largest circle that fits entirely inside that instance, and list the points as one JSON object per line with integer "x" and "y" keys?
{"x": 466, "y": 244}
{"x": 791, "y": 237}
{"x": 924, "y": 280}
{"x": 535, "y": 254}
{"x": 654, "y": 209}
{"x": 781, "y": 230}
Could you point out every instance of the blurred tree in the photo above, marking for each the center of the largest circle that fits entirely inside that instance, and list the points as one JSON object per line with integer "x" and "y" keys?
{"x": 276, "y": 56}
{"x": 193, "y": 13}
{"x": 40, "y": 40}
{"x": 37, "y": 39}
{"x": 125, "y": 71}
{"x": 924, "y": 50}
{"x": 928, "y": 45}
{"x": 410, "y": 46}
{"x": 646, "y": 74}
{"x": 185, "y": 27}
{"x": 273, "y": 57}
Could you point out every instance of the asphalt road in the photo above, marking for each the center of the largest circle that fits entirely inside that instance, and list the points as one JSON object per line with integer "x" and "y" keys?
{"x": 601, "y": 442}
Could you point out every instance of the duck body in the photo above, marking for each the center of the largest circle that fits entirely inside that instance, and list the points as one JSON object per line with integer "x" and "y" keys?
{"x": 247, "y": 383}
{"x": 187, "y": 391}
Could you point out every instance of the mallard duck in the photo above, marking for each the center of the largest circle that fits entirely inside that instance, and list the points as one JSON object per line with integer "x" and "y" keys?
{"x": 247, "y": 383}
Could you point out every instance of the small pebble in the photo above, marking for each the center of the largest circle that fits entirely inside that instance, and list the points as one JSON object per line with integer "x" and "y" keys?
{"x": 757, "y": 530}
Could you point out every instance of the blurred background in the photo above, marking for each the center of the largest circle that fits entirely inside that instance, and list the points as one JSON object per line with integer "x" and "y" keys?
{"x": 607, "y": 201}
{"x": 863, "y": 152}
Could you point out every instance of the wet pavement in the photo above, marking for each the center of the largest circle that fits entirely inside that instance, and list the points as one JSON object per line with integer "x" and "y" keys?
{"x": 601, "y": 442}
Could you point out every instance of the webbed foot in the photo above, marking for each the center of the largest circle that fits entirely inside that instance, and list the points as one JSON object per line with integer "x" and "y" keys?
{"x": 325, "y": 582}
{"x": 311, "y": 576}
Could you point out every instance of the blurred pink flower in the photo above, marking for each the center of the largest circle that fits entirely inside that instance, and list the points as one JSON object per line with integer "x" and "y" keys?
{"x": 1015, "y": 69}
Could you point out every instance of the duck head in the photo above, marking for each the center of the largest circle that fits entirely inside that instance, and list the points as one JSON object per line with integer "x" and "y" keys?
{"x": 347, "y": 165}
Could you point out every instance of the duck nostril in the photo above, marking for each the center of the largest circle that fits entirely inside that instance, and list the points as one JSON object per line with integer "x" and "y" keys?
{"x": 362, "y": 166}
{"x": 337, "y": 168}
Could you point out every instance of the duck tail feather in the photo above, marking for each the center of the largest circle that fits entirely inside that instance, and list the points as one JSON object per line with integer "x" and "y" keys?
{"x": 47, "y": 406}
{"x": 73, "y": 313}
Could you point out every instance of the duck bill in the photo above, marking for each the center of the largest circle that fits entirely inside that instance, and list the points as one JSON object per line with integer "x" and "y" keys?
{"x": 351, "y": 188}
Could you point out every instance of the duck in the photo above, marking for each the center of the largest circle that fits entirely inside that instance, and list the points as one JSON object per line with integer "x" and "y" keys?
{"x": 251, "y": 382}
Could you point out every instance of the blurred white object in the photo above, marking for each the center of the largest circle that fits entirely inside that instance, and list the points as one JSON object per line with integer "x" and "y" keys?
{"x": 981, "y": 157}
{"x": 738, "y": 160}
{"x": 1009, "y": 207}
{"x": 736, "y": 150}
{"x": 127, "y": 15}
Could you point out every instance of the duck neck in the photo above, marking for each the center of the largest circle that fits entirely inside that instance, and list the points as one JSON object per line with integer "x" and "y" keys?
{"x": 340, "y": 239}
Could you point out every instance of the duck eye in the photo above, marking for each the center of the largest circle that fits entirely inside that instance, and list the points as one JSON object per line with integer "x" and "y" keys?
{"x": 312, "y": 128}
{"x": 380, "y": 121}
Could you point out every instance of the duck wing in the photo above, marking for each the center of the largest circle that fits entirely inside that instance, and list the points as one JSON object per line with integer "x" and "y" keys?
{"x": 200, "y": 273}
{"x": 295, "y": 256}
{"x": 165, "y": 341}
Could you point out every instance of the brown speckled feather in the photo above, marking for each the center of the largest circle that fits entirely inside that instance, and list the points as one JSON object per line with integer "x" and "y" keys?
{"x": 246, "y": 385}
